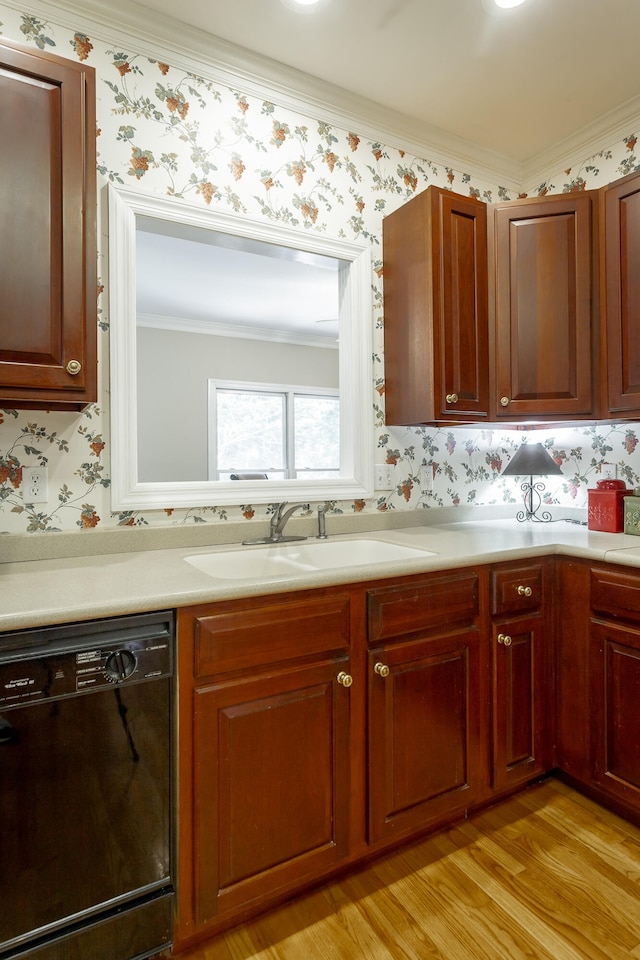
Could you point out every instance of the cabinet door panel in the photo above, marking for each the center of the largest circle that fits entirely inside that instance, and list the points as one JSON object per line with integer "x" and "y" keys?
{"x": 424, "y": 732}
{"x": 544, "y": 278}
{"x": 463, "y": 318}
{"x": 435, "y": 309}
{"x": 616, "y": 719}
{"x": 48, "y": 236}
{"x": 271, "y": 777}
{"x": 519, "y": 715}
{"x": 622, "y": 294}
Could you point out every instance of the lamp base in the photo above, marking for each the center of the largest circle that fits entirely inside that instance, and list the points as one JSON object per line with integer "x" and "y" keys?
{"x": 532, "y": 494}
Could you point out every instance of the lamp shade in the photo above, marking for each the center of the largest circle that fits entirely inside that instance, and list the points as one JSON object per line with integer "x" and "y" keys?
{"x": 531, "y": 460}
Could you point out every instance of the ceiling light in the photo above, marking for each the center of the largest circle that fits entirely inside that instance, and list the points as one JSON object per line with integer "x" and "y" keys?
{"x": 499, "y": 3}
{"x": 304, "y": 6}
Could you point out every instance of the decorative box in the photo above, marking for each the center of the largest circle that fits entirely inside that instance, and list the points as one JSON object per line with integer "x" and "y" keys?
{"x": 606, "y": 509}
{"x": 632, "y": 513}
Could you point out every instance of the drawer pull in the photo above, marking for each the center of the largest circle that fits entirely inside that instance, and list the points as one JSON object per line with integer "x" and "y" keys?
{"x": 524, "y": 591}
{"x": 73, "y": 367}
{"x": 504, "y": 401}
{"x": 505, "y": 639}
{"x": 345, "y": 679}
{"x": 381, "y": 669}
{"x": 451, "y": 398}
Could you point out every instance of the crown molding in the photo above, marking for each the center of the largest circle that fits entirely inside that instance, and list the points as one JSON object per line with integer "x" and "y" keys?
{"x": 234, "y": 331}
{"x": 585, "y": 143}
{"x": 164, "y": 38}
{"x": 161, "y": 37}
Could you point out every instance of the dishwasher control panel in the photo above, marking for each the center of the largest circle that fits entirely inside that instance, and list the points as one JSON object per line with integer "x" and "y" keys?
{"x": 65, "y": 667}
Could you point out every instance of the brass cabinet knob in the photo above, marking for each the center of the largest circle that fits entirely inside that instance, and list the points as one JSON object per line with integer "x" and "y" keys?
{"x": 451, "y": 398}
{"x": 73, "y": 367}
{"x": 381, "y": 669}
{"x": 505, "y": 639}
{"x": 345, "y": 679}
{"x": 524, "y": 591}
{"x": 504, "y": 401}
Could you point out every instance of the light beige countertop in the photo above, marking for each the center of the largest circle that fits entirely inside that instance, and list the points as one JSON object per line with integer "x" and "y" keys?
{"x": 81, "y": 587}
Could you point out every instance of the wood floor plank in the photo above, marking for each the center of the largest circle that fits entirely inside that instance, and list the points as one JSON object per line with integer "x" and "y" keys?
{"x": 544, "y": 875}
{"x": 602, "y": 876}
{"x": 391, "y": 920}
{"x": 525, "y": 910}
{"x": 462, "y": 917}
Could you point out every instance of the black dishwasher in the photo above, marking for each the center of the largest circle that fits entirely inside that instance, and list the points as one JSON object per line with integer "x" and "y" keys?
{"x": 86, "y": 789}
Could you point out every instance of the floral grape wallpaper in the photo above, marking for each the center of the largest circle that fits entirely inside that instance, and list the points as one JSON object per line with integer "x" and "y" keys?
{"x": 166, "y": 131}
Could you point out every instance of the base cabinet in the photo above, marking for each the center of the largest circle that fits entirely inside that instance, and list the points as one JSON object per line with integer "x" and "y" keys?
{"x": 522, "y": 680}
{"x": 271, "y": 758}
{"x": 264, "y": 763}
{"x": 425, "y": 732}
{"x": 615, "y": 677}
{"x": 317, "y": 728}
{"x": 518, "y": 753}
{"x": 614, "y": 662}
{"x": 598, "y": 682}
{"x": 427, "y": 729}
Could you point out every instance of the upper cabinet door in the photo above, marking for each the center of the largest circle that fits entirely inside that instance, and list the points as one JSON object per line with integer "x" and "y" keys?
{"x": 621, "y": 294}
{"x": 542, "y": 288}
{"x": 435, "y": 310}
{"x": 47, "y": 231}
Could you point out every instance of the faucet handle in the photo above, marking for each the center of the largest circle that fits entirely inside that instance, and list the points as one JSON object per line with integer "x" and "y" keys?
{"x": 322, "y": 522}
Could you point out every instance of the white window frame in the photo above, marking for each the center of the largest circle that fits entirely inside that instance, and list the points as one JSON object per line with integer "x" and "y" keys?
{"x": 290, "y": 391}
{"x": 128, "y": 492}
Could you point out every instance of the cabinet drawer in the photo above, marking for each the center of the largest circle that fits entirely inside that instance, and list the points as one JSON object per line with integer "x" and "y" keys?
{"x": 257, "y": 634}
{"x": 616, "y": 594}
{"x": 516, "y": 590}
{"x": 428, "y": 604}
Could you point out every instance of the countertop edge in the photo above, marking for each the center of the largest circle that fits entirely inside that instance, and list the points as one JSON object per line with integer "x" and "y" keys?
{"x": 69, "y": 589}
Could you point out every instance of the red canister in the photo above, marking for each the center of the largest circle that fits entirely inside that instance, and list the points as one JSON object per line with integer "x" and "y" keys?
{"x": 606, "y": 506}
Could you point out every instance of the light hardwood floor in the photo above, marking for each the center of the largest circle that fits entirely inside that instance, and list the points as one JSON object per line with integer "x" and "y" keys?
{"x": 547, "y": 875}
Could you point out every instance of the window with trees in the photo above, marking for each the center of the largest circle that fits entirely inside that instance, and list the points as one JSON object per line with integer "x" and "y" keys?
{"x": 283, "y": 431}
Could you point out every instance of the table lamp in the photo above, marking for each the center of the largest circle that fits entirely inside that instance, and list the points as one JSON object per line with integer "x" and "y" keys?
{"x": 532, "y": 460}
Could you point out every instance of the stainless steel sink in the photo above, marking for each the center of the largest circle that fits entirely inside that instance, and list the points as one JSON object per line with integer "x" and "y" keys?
{"x": 288, "y": 560}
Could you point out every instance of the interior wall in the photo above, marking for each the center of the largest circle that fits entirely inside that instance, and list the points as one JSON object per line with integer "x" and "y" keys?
{"x": 163, "y": 129}
{"x": 174, "y": 368}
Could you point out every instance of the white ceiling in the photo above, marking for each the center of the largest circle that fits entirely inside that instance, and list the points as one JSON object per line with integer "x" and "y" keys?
{"x": 510, "y": 90}
{"x": 516, "y": 82}
{"x": 202, "y": 281}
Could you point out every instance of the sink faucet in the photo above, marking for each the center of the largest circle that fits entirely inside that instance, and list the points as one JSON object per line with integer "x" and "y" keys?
{"x": 279, "y": 519}
{"x": 277, "y": 524}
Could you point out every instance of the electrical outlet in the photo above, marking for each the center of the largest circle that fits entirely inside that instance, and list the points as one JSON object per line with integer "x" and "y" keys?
{"x": 384, "y": 476}
{"x": 608, "y": 471}
{"x": 426, "y": 478}
{"x": 35, "y": 485}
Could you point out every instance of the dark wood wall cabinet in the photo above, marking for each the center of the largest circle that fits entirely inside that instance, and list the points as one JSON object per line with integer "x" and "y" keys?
{"x": 513, "y": 311}
{"x": 436, "y": 351}
{"x": 621, "y": 295}
{"x": 48, "y": 286}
